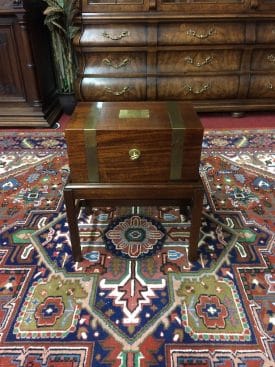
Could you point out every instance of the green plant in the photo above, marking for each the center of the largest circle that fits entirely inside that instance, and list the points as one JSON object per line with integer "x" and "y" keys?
{"x": 59, "y": 18}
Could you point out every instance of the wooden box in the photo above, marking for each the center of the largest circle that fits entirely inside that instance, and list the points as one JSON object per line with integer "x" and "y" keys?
{"x": 134, "y": 142}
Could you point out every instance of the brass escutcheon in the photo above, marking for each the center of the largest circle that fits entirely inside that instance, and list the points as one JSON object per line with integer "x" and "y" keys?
{"x": 134, "y": 154}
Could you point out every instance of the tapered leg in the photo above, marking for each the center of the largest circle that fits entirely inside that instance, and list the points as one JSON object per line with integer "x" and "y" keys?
{"x": 196, "y": 213}
{"x": 72, "y": 214}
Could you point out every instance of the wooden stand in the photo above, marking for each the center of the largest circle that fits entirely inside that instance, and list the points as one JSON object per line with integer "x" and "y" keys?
{"x": 104, "y": 194}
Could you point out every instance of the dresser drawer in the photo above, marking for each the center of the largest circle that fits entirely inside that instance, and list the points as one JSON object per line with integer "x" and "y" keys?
{"x": 200, "y": 33}
{"x": 198, "y": 61}
{"x": 113, "y": 35}
{"x": 262, "y": 86}
{"x": 115, "y": 62}
{"x": 265, "y": 32}
{"x": 112, "y": 89}
{"x": 263, "y": 60}
{"x": 189, "y": 88}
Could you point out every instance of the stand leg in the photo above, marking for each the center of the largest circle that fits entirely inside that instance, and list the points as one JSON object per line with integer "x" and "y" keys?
{"x": 185, "y": 210}
{"x": 72, "y": 214}
{"x": 196, "y": 213}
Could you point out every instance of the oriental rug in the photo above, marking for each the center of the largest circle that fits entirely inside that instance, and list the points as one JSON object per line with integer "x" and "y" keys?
{"x": 159, "y": 310}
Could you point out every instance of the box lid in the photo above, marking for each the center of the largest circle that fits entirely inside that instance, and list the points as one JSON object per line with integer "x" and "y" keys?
{"x": 134, "y": 115}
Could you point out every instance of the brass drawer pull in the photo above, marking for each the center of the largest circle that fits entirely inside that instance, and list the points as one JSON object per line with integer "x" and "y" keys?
{"x": 269, "y": 86}
{"x": 208, "y": 34}
{"x": 191, "y": 60}
{"x": 118, "y": 92}
{"x": 201, "y": 90}
{"x": 116, "y": 38}
{"x": 271, "y": 58}
{"x": 134, "y": 154}
{"x": 123, "y": 63}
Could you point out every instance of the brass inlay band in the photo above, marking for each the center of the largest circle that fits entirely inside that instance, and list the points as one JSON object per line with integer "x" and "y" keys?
{"x": 177, "y": 125}
{"x": 134, "y": 114}
{"x": 91, "y": 145}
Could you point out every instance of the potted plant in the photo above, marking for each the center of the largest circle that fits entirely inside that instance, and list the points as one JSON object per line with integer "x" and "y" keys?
{"x": 59, "y": 18}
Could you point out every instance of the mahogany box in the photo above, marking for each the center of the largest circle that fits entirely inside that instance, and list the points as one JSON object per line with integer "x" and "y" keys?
{"x": 134, "y": 142}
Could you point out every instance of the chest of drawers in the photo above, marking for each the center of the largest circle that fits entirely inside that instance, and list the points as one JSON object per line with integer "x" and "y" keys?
{"x": 219, "y": 57}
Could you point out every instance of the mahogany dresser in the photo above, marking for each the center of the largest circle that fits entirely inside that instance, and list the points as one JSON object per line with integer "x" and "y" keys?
{"x": 219, "y": 55}
{"x": 134, "y": 153}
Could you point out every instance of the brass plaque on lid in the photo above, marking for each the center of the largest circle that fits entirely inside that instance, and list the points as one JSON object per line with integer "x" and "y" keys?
{"x": 134, "y": 114}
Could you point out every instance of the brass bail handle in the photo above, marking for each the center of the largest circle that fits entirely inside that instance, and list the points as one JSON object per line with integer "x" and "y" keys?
{"x": 134, "y": 154}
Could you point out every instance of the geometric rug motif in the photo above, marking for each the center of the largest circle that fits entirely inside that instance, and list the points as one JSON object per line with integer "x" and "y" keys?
{"x": 158, "y": 310}
{"x": 134, "y": 237}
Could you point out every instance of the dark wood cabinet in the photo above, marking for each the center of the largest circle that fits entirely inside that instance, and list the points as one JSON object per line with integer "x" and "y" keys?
{"x": 218, "y": 55}
{"x": 27, "y": 84}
